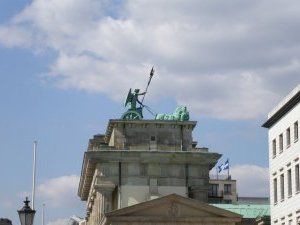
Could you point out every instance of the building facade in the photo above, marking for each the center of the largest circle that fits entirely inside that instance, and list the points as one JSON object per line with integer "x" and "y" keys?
{"x": 284, "y": 152}
{"x": 136, "y": 161}
{"x": 149, "y": 171}
{"x": 222, "y": 190}
{"x": 172, "y": 209}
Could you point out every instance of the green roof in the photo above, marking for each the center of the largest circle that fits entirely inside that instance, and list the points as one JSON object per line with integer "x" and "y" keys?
{"x": 247, "y": 211}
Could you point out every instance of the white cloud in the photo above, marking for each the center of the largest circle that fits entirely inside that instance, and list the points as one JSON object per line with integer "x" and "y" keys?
{"x": 58, "y": 222}
{"x": 214, "y": 57}
{"x": 12, "y": 36}
{"x": 59, "y": 192}
{"x": 252, "y": 180}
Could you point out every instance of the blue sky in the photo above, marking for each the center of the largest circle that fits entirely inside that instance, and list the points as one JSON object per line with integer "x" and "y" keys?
{"x": 66, "y": 66}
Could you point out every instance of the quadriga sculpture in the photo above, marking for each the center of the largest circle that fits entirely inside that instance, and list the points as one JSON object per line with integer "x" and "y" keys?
{"x": 181, "y": 113}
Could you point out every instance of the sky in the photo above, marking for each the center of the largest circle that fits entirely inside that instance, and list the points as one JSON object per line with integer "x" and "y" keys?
{"x": 67, "y": 65}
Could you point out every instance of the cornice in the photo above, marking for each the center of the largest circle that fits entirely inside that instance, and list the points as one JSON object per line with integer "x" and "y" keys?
{"x": 283, "y": 110}
{"x": 91, "y": 158}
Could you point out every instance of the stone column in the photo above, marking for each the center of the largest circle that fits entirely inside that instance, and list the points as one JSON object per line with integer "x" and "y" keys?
{"x": 107, "y": 199}
{"x": 198, "y": 193}
{"x": 105, "y": 188}
{"x": 91, "y": 209}
{"x": 97, "y": 208}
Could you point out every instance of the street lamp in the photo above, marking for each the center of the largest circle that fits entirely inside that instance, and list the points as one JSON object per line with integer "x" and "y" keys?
{"x": 26, "y": 214}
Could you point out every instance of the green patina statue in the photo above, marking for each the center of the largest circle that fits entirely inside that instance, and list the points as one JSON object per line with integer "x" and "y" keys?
{"x": 134, "y": 112}
{"x": 181, "y": 113}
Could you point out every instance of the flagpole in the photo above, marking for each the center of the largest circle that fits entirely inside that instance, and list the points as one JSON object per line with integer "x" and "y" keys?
{"x": 228, "y": 168}
{"x": 43, "y": 214}
{"x": 33, "y": 173}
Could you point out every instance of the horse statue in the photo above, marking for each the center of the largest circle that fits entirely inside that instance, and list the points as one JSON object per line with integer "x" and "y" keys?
{"x": 181, "y": 113}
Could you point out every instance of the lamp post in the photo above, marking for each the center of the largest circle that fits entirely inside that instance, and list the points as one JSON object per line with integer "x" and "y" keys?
{"x": 26, "y": 214}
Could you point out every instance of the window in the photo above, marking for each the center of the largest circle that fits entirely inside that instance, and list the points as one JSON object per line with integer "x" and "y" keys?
{"x": 289, "y": 180}
{"x": 163, "y": 170}
{"x": 280, "y": 143}
{"x": 288, "y": 137}
{"x": 297, "y": 180}
{"x": 296, "y": 131}
{"x": 153, "y": 189}
{"x": 214, "y": 190}
{"x": 143, "y": 169}
{"x": 274, "y": 148}
{"x": 282, "y": 187}
{"x": 275, "y": 190}
{"x": 227, "y": 188}
{"x": 153, "y": 143}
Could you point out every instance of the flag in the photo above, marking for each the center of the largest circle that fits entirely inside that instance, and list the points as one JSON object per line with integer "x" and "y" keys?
{"x": 224, "y": 166}
{"x": 220, "y": 168}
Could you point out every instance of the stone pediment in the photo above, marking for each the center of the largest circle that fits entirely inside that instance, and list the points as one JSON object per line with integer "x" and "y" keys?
{"x": 172, "y": 208}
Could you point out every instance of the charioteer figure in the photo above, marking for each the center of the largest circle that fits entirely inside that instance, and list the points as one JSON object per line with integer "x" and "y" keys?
{"x": 135, "y": 112}
{"x": 133, "y": 98}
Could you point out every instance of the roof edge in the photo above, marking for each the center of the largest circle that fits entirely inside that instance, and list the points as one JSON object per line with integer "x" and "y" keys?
{"x": 287, "y": 106}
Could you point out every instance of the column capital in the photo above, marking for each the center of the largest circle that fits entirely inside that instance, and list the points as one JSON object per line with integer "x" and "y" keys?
{"x": 105, "y": 188}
